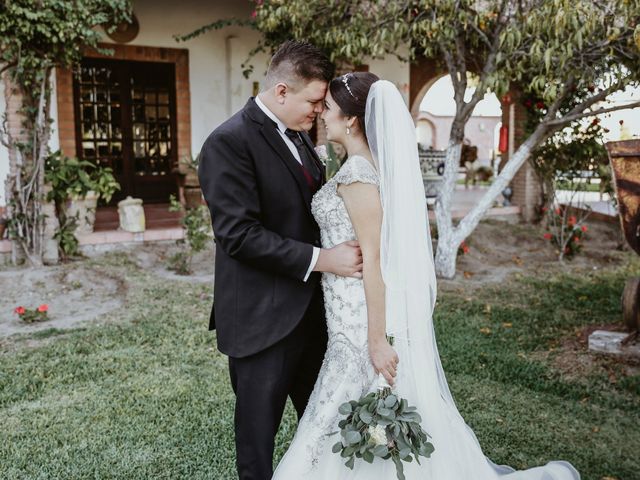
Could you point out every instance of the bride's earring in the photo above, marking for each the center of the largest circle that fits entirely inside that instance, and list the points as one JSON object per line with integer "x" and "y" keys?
{"x": 348, "y": 131}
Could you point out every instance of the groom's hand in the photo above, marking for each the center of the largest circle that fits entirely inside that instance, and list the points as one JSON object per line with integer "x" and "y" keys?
{"x": 344, "y": 260}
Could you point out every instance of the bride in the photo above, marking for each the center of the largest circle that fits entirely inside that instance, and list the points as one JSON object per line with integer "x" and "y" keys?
{"x": 377, "y": 197}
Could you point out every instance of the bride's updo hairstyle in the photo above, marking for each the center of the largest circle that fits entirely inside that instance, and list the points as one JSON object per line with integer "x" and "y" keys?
{"x": 350, "y": 92}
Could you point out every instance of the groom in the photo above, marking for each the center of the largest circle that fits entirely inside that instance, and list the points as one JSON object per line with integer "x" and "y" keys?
{"x": 258, "y": 172}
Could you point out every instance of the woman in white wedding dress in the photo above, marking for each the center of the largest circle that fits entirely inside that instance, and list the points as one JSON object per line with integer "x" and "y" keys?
{"x": 377, "y": 197}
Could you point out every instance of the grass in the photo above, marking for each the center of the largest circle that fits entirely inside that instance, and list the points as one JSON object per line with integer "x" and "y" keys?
{"x": 144, "y": 394}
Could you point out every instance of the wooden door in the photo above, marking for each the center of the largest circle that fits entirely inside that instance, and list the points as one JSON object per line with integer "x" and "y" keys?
{"x": 126, "y": 120}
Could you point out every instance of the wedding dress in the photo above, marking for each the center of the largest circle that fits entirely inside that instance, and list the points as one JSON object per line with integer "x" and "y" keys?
{"x": 407, "y": 267}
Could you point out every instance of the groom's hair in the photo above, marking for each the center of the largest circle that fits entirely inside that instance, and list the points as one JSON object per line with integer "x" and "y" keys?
{"x": 297, "y": 63}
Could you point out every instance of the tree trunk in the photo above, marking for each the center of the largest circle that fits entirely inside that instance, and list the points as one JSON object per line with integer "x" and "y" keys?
{"x": 447, "y": 249}
{"x": 28, "y": 139}
{"x": 450, "y": 238}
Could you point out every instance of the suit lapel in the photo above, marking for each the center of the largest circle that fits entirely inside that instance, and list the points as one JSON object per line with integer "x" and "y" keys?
{"x": 277, "y": 143}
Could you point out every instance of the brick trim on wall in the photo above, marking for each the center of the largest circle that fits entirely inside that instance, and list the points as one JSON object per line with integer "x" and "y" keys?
{"x": 177, "y": 56}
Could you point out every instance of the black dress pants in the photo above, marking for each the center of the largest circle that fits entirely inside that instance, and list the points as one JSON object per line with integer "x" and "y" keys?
{"x": 263, "y": 381}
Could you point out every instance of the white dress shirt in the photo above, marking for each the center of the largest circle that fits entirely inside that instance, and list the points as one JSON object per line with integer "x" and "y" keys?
{"x": 294, "y": 151}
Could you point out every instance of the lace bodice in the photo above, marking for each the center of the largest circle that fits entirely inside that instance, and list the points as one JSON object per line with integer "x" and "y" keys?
{"x": 329, "y": 209}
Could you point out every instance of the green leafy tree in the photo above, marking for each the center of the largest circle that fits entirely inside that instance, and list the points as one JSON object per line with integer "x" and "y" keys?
{"x": 37, "y": 36}
{"x": 547, "y": 48}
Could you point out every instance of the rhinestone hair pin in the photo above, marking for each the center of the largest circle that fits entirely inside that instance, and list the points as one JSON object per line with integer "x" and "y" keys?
{"x": 345, "y": 80}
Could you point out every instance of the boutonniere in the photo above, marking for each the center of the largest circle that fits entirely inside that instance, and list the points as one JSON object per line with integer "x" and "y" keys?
{"x": 321, "y": 151}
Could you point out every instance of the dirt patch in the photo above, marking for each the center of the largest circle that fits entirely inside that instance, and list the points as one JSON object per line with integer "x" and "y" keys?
{"x": 503, "y": 247}
{"x": 82, "y": 291}
{"x": 155, "y": 258}
{"x": 573, "y": 359}
{"x": 75, "y": 293}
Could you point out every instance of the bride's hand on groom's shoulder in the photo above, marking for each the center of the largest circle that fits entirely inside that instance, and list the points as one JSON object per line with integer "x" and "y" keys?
{"x": 344, "y": 260}
{"x": 384, "y": 359}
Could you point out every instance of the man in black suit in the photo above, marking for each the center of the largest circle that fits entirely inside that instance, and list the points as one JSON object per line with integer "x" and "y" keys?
{"x": 258, "y": 172}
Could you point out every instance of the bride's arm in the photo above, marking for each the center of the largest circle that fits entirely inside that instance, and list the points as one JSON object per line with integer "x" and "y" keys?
{"x": 363, "y": 204}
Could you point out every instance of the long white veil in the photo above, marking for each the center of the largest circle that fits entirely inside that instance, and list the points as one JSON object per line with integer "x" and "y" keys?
{"x": 408, "y": 272}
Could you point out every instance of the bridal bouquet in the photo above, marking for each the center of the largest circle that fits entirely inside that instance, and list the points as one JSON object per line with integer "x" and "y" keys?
{"x": 382, "y": 425}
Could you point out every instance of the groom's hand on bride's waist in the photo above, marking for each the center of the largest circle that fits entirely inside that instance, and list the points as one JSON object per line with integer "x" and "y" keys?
{"x": 344, "y": 260}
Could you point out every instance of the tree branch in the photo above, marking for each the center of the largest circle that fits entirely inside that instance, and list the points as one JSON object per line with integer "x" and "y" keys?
{"x": 7, "y": 66}
{"x": 568, "y": 119}
{"x": 581, "y": 107}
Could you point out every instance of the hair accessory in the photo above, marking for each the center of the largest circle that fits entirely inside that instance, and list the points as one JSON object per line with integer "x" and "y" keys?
{"x": 345, "y": 80}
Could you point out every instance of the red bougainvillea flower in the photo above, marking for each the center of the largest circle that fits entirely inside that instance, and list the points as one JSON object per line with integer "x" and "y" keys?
{"x": 544, "y": 209}
{"x": 19, "y": 310}
{"x": 548, "y": 236}
{"x": 558, "y": 211}
{"x": 584, "y": 228}
{"x": 465, "y": 249}
{"x": 576, "y": 239}
{"x": 43, "y": 308}
{"x": 540, "y": 105}
{"x": 572, "y": 221}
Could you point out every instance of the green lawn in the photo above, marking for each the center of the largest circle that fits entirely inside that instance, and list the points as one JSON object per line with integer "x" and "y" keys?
{"x": 146, "y": 395}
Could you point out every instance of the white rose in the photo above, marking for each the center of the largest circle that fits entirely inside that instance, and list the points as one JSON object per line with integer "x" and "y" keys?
{"x": 378, "y": 435}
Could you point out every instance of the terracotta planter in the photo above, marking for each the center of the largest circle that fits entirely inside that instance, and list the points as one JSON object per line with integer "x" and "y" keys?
{"x": 624, "y": 157}
{"x": 192, "y": 197}
{"x": 191, "y": 180}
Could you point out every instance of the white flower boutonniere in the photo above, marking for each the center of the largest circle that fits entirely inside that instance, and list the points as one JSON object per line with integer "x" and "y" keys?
{"x": 321, "y": 151}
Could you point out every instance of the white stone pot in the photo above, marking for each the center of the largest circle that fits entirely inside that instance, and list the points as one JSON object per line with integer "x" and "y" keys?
{"x": 131, "y": 215}
{"x": 85, "y": 208}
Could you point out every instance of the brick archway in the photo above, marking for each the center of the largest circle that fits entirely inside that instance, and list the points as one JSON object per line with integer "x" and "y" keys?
{"x": 423, "y": 73}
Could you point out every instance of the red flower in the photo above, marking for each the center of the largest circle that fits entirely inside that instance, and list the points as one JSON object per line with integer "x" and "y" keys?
{"x": 254, "y": 14}
{"x": 539, "y": 104}
{"x": 584, "y": 228}
{"x": 572, "y": 221}
{"x": 548, "y": 236}
{"x": 19, "y": 310}
{"x": 544, "y": 209}
{"x": 465, "y": 249}
{"x": 576, "y": 239}
{"x": 43, "y": 308}
{"x": 558, "y": 211}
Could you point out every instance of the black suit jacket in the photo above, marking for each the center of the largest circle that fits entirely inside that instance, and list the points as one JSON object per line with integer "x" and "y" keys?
{"x": 260, "y": 206}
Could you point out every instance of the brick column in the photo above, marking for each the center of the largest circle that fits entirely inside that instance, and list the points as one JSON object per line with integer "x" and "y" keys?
{"x": 525, "y": 184}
